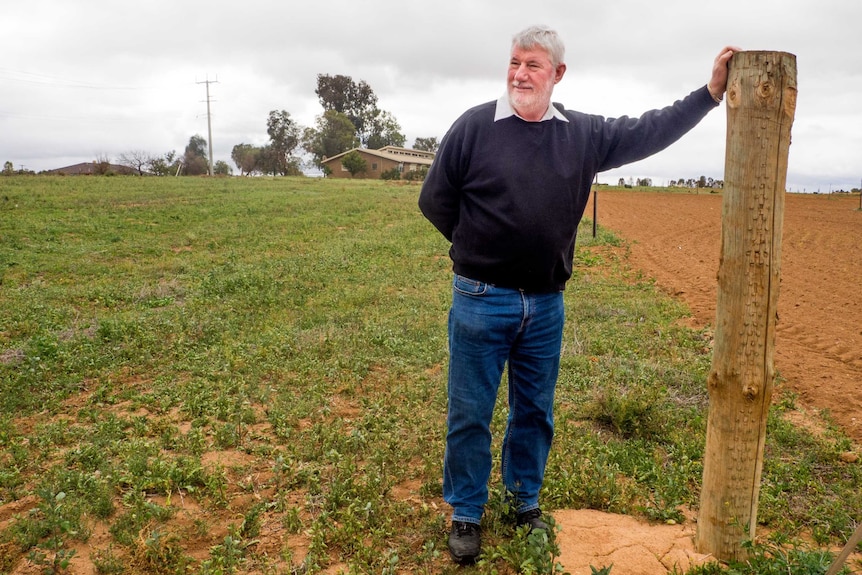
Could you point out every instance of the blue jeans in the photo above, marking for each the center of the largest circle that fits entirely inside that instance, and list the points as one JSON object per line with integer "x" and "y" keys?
{"x": 488, "y": 327}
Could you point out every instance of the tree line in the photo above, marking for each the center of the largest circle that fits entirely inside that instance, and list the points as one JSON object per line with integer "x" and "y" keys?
{"x": 701, "y": 182}
{"x": 351, "y": 118}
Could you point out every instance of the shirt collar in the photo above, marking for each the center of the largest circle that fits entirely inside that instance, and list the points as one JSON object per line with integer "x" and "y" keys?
{"x": 505, "y": 110}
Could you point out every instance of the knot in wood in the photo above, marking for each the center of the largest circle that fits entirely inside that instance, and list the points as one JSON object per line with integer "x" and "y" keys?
{"x": 750, "y": 392}
{"x": 765, "y": 90}
{"x": 733, "y": 92}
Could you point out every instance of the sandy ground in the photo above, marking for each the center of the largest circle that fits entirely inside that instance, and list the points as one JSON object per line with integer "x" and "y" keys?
{"x": 629, "y": 546}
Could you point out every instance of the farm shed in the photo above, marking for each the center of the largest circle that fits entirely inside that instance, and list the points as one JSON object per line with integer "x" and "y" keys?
{"x": 379, "y": 161}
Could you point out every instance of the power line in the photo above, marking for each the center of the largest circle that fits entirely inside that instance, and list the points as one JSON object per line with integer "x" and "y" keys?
{"x": 57, "y": 82}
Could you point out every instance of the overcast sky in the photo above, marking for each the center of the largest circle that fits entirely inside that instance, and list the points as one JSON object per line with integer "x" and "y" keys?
{"x": 87, "y": 79}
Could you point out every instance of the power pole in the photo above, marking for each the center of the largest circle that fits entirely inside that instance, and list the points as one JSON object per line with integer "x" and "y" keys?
{"x": 209, "y": 122}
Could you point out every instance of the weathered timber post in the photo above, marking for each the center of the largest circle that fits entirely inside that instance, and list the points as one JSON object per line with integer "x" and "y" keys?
{"x": 761, "y": 103}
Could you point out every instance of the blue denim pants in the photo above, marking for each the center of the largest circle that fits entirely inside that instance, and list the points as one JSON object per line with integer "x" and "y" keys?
{"x": 489, "y": 327}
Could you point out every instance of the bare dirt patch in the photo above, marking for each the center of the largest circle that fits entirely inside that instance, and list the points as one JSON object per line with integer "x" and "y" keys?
{"x": 631, "y": 546}
{"x": 675, "y": 238}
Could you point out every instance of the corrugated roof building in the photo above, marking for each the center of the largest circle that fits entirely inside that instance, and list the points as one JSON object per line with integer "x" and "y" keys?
{"x": 379, "y": 161}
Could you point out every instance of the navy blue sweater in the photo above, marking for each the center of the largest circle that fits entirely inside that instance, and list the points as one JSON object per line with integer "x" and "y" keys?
{"x": 509, "y": 194}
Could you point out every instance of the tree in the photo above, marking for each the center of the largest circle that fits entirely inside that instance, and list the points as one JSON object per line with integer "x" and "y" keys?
{"x": 8, "y": 168}
{"x": 166, "y": 165}
{"x": 195, "y": 157}
{"x": 246, "y": 157}
{"x": 293, "y": 167}
{"x": 102, "y": 165}
{"x": 374, "y": 128}
{"x": 340, "y": 93}
{"x": 284, "y": 136}
{"x": 426, "y": 144}
{"x": 384, "y": 131}
{"x": 135, "y": 159}
{"x": 334, "y": 133}
{"x": 221, "y": 168}
{"x": 267, "y": 161}
{"x": 354, "y": 162}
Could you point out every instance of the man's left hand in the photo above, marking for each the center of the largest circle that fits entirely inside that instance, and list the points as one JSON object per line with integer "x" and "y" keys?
{"x": 718, "y": 83}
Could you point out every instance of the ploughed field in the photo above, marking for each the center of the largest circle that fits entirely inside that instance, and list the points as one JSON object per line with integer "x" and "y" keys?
{"x": 675, "y": 238}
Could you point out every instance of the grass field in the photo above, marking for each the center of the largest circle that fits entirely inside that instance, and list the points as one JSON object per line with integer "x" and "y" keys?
{"x": 248, "y": 376}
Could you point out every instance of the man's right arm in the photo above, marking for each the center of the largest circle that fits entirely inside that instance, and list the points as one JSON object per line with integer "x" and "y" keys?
{"x": 439, "y": 199}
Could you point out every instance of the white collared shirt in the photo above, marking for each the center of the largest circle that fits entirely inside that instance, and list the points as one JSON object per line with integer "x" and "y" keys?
{"x": 505, "y": 110}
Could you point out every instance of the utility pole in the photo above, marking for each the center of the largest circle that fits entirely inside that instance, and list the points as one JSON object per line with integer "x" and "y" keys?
{"x": 209, "y": 122}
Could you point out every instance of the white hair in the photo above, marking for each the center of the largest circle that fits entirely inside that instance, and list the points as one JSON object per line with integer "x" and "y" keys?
{"x": 543, "y": 37}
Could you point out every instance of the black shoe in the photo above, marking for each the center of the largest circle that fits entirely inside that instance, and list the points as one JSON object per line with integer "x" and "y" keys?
{"x": 465, "y": 542}
{"x": 533, "y": 518}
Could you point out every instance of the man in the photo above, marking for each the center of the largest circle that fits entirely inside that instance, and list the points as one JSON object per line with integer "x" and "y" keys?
{"x": 508, "y": 188}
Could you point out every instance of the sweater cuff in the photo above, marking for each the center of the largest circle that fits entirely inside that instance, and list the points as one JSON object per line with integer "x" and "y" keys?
{"x": 715, "y": 101}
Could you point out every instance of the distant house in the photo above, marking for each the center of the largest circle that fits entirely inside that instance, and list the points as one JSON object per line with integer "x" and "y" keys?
{"x": 379, "y": 161}
{"x": 92, "y": 169}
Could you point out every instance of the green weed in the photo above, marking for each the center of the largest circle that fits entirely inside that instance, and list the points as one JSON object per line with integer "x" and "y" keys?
{"x": 108, "y": 562}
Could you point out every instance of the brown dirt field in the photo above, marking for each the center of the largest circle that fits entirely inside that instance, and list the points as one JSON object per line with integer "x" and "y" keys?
{"x": 675, "y": 238}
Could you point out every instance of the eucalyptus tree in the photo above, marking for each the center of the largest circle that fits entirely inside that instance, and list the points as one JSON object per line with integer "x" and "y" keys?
{"x": 333, "y": 134}
{"x": 374, "y": 128}
{"x": 284, "y": 136}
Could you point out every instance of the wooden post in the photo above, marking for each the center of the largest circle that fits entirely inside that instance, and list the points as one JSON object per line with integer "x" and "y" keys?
{"x": 761, "y": 103}
{"x": 596, "y": 206}
{"x": 849, "y": 548}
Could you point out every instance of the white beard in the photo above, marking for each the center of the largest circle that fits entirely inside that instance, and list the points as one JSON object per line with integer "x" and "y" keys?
{"x": 532, "y": 102}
